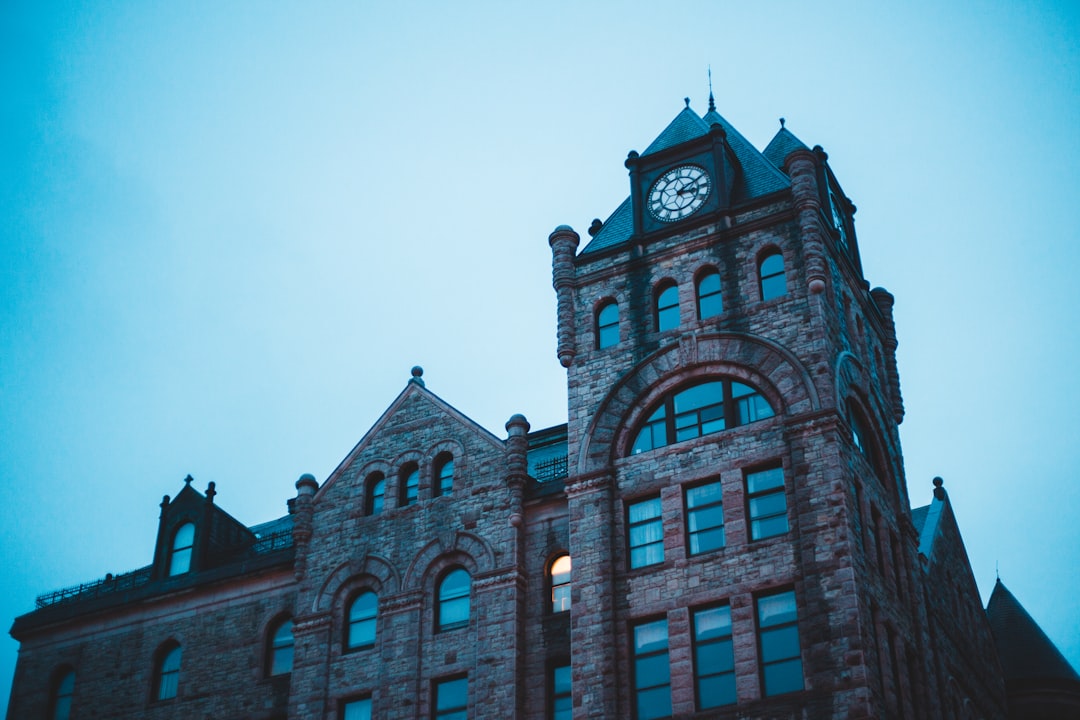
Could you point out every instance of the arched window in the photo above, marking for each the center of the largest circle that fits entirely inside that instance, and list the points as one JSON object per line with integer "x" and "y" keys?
{"x": 453, "y": 600}
{"x": 667, "y": 308}
{"x": 376, "y": 491}
{"x": 62, "y": 692}
{"x": 409, "y": 484}
{"x": 709, "y": 298}
{"x": 280, "y": 652}
{"x": 363, "y": 613}
{"x": 701, "y": 409}
{"x": 167, "y": 673}
{"x": 607, "y": 325}
{"x": 860, "y": 435}
{"x": 183, "y": 542}
{"x": 560, "y": 584}
{"x": 444, "y": 474}
{"x": 773, "y": 280}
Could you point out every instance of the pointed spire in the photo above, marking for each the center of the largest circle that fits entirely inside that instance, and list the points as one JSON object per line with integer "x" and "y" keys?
{"x": 782, "y": 123}
{"x": 687, "y": 101}
{"x": 712, "y": 102}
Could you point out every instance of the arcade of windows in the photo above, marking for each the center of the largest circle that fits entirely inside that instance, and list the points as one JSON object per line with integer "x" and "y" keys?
{"x": 708, "y": 291}
{"x": 408, "y": 479}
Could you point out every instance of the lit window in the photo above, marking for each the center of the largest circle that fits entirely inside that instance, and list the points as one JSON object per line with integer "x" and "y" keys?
{"x": 357, "y": 709}
{"x": 710, "y": 301}
{"x": 453, "y": 607}
{"x": 714, "y": 658}
{"x": 410, "y": 484}
{"x": 183, "y": 542}
{"x": 768, "y": 506}
{"x": 607, "y": 326}
{"x": 560, "y": 584}
{"x": 561, "y": 695}
{"x": 376, "y": 492}
{"x": 452, "y": 699}
{"x": 652, "y": 672}
{"x": 363, "y": 613}
{"x": 63, "y": 690}
{"x": 701, "y": 409}
{"x": 667, "y": 308}
{"x": 167, "y": 675}
{"x": 646, "y": 533}
{"x": 778, "y": 636}
{"x": 281, "y": 649}
{"x": 705, "y": 518}
{"x": 773, "y": 280}
{"x": 444, "y": 475}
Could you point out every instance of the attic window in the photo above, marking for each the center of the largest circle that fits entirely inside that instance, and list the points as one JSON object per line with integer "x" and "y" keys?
{"x": 182, "y": 545}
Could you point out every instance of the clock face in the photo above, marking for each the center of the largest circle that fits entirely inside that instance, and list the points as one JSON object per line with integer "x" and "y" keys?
{"x": 679, "y": 192}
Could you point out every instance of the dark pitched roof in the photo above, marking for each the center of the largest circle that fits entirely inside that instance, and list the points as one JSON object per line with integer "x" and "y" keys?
{"x": 1025, "y": 651}
{"x": 782, "y": 145}
{"x": 617, "y": 229}
{"x": 759, "y": 176}
{"x": 918, "y": 517}
{"x": 686, "y": 126}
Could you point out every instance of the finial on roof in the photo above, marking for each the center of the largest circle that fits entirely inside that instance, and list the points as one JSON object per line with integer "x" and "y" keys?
{"x": 188, "y": 480}
{"x": 712, "y": 103}
{"x": 781, "y": 123}
{"x": 417, "y": 375}
{"x": 687, "y": 101}
{"x": 211, "y": 492}
{"x": 939, "y": 491}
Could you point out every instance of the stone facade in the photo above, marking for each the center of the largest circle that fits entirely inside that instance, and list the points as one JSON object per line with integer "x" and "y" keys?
{"x": 729, "y": 487}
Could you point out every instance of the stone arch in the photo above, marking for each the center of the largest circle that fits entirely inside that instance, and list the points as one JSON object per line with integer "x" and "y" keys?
{"x": 766, "y": 365}
{"x": 450, "y": 447}
{"x": 853, "y": 385}
{"x": 378, "y": 571}
{"x": 462, "y": 548}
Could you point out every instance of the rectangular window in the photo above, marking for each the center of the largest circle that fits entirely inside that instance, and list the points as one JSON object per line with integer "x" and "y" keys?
{"x": 561, "y": 704}
{"x": 452, "y": 699}
{"x": 652, "y": 672}
{"x": 646, "y": 533}
{"x": 766, "y": 503}
{"x": 778, "y": 640}
{"x": 357, "y": 710}
{"x": 714, "y": 657}
{"x": 705, "y": 518}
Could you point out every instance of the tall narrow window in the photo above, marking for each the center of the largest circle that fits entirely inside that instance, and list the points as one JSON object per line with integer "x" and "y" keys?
{"x": 560, "y": 584}
{"x": 357, "y": 709}
{"x": 667, "y": 308}
{"x": 714, "y": 657}
{"x": 778, "y": 637}
{"x": 444, "y": 475}
{"x": 452, "y": 699}
{"x": 766, "y": 502}
{"x": 652, "y": 672}
{"x": 607, "y": 325}
{"x": 561, "y": 704}
{"x": 646, "y": 533}
{"x": 409, "y": 480}
{"x": 773, "y": 279}
{"x": 363, "y": 614}
{"x": 183, "y": 542}
{"x": 376, "y": 492}
{"x": 453, "y": 603}
{"x": 167, "y": 674}
{"x": 705, "y": 518}
{"x": 63, "y": 690}
{"x": 710, "y": 301}
{"x": 280, "y": 657}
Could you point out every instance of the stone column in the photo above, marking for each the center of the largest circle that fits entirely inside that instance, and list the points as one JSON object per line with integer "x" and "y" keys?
{"x": 564, "y": 242}
{"x": 884, "y": 301}
{"x": 802, "y": 168}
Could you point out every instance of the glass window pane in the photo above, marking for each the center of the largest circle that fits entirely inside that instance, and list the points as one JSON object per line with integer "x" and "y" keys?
{"x": 647, "y": 555}
{"x": 707, "y": 541}
{"x": 706, "y": 518}
{"x": 560, "y": 570}
{"x": 561, "y": 679}
{"x": 765, "y": 505}
{"x": 703, "y": 495}
{"x": 773, "y": 287}
{"x": 709, "y": 284}
{"x": 452, "y": 694}
{"x": 772, "y": 265}
{"x": 777, "y": 609}
{"x": 768, "y": 527}
{"x": 716, "y": 690}
{"x": 783, "y": 677}
{"x": 358, "y": 709}
{"x": 712, "y": 623}
{"x": 715, "y": 657}
{"x": 652, "y": 670}
{"x": 779, "y": 643}
{"x": 709, "y": 393}
{"x": 560, "y": 598}
{"x": 765, "y": 480}
{"x": 654, "y": 703}
{"x": 645, "y": 510}
{"x": 454, "y": 612}
{"x": 650, "y": 636}
{"x": 646, "y": 533}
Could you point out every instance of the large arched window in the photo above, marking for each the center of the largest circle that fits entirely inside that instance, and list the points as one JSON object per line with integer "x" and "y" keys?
{"x": 408, "y": 484}
{"x": 444, "y": 474}
{"x": 375, "y": 493}
{"x": 182, "y": 545}
{"x": 363, "y": 614}
{"x": 279, "y": 656}
{"x": 667, "y": 307}
{"x": 167, "y": 672}
{"x": 452, "y": 610}
{"x": 773, "y": 279}
{"x": 607, "y": 325}
{"x": 710, "y": 301}
{"x": 62, "y": 691}
{"x": 560, "y": 584}
{"x": 701, "y": 409}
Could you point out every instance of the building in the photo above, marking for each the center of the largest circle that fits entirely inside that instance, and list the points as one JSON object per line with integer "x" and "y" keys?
{"x": 722, "y": 529}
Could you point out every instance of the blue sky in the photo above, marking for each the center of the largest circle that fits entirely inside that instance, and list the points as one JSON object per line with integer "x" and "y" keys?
{"x": 228, "y": 230}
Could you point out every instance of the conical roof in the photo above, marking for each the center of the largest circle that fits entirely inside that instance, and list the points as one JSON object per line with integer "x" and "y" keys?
{"x": 1026, "y": 652}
